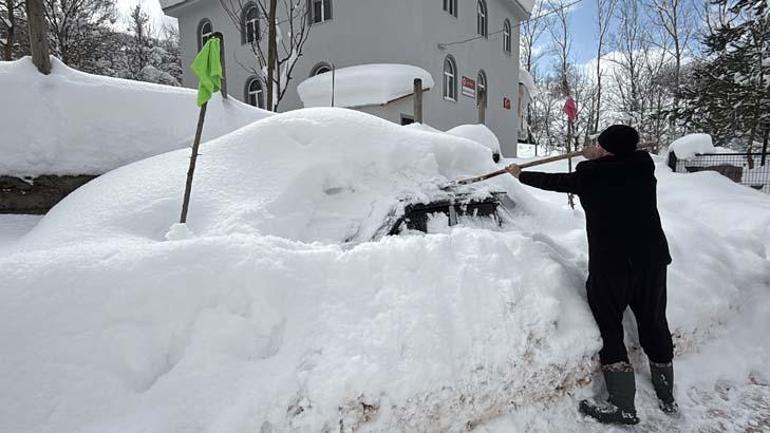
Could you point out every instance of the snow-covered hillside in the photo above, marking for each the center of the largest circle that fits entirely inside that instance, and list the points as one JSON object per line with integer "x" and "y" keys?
{"x": 278, "y": 315}
{"x": 70, "y": 122}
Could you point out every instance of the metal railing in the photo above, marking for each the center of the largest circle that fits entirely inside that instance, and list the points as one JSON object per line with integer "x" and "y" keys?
{"x": 752, "y": 170}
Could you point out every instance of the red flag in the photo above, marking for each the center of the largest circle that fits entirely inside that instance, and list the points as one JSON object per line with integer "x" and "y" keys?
{"x": 570, "y": 109}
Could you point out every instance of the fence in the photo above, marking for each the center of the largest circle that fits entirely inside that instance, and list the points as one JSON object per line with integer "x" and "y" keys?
{"x": 752, "y": 170}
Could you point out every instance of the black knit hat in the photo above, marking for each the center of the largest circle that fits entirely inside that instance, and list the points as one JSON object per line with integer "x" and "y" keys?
{"x": 619, "y": 140}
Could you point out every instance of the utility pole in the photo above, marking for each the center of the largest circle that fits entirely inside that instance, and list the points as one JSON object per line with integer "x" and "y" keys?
{"x": 38, "y": 36}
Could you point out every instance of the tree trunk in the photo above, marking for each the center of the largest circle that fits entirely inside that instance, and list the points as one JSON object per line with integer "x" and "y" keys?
{"x": 38, "y": 36}
{"x": 272, "y": 50}
{"x": 8, "y": 55}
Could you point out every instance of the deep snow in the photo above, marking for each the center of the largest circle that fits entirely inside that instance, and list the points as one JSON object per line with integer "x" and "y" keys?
{"x": 275, "y": 312}
{"x": 70, "y": 122}
{"x": 478, "y": 133}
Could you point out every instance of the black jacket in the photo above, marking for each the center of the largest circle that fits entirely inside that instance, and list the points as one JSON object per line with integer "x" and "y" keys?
{"x": 619, "y": 198}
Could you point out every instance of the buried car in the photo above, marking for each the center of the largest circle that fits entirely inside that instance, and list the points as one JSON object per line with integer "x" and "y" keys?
{"x": 314, "y": 175}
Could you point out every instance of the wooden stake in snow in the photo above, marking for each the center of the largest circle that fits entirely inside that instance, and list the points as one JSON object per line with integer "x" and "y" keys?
{"x": 418, "y": 100}
{"x": 38, "y": 36}
{"x": 193, "y": 161}
{"x": 207, "y": 66}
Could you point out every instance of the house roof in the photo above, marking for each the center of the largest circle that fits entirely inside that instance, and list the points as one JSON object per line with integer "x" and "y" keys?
{"x": 362, "y": 85}
{"x": 168, "y": 5}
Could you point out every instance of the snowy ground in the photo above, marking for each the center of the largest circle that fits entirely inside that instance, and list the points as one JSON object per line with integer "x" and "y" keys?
{"x": 278, "y": 314}
{"x": 13, "y": 227}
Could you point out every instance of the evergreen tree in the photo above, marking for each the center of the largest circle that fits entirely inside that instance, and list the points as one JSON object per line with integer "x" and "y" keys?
{"x": 728, "y": 93}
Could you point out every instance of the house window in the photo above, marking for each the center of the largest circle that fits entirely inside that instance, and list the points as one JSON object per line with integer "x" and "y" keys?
{"x": 320, "y": 10}
{"x": 483, "y": 19}
{"x": 254, "y": 93}
{"x": 450, "y": 6}
{"x": 507, "y": 37}
{"x": 450, "y": 79}
{"x": 481, "y": 87}
{"x": 320, "y": 68}
{"x": 205, "y": 30}
{"x": 250, "y": 30}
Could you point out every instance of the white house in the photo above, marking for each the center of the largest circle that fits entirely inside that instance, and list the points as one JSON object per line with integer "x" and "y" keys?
{"x": 462, "y": 45}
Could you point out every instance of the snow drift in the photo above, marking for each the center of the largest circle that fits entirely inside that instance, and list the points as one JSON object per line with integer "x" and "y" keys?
{"x": 480, "y": 134}
{"x": 70, "y": 122}
{"x": 266, "y": 319}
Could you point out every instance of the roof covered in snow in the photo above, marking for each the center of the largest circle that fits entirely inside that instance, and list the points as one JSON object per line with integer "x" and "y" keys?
{"x": 362, "y": 85}
{"x": 526, "y": 79}
{"x": 687, "y": 146}
{"x": 527, "y": 5}
{"x": 165, "y": 4}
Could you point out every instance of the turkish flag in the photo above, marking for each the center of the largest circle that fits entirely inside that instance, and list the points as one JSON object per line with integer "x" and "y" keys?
{"x": 570, "y": 109}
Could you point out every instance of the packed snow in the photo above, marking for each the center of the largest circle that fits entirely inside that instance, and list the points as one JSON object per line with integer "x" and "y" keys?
{"x": 480, "y": 134}
{"x": 362, "y": 85}
{"x": 70, "y": 122}
{"x": 686, "y": 147}
{"x": 272, "y": 310}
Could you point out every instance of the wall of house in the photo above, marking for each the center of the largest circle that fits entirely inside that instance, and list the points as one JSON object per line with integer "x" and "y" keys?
{"x": 396, "y": 31}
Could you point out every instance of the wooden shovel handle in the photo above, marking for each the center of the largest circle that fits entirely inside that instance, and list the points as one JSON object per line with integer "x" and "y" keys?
{"x": 551, "y": 159}
{"x": 524, "y": 165}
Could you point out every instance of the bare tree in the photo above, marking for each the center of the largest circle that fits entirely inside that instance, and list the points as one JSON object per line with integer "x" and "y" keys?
{"x": 532, "y": 31}
{"x": 74, "y": 28}
{"x": 675, "y": 31}
{"x": 11, "y": 14}
{"x": 604, "y": 14}
{"x": 629, "y": 45}
{"x": 288, "y": 29}
{"x": 562, "y": 43}
{"x": 138, "y": 50}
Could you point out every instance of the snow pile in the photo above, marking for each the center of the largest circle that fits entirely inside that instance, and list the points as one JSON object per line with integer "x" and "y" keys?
{"x": 362, "y": 85}
{"x": 686, "y": 147}
{"x": 305, "y": 175}
{"x": 70, "y": 122}
{"x": 259, "y": 316}
{"x": 478, "y": 133}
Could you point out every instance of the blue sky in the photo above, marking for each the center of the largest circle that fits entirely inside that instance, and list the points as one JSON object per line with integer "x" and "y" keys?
{"x": 583, "y": 29}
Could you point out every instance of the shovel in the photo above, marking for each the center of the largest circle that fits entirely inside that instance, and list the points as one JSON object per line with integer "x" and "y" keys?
{"x": 534, "y": 163}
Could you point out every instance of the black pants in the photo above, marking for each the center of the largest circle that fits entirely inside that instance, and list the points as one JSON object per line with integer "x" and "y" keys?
{"x": 643, "y": 288}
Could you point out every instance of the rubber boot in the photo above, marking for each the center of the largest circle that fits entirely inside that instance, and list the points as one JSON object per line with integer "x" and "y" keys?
{"x": 619, "y": 407}
{"x": 663, "y": 382}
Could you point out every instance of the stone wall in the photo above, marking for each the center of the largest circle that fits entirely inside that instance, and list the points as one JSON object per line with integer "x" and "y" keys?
{"x": 36, "y": 195}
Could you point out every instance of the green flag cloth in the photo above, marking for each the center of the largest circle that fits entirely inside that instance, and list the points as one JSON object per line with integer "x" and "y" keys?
{"x": 207, "y": 66}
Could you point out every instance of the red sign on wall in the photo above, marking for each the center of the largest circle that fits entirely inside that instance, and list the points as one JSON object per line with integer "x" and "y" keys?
{"x": 506, "y": 103}
{"x": 469, "y": 87}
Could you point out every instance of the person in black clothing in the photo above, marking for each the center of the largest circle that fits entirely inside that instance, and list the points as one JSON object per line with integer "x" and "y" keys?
{"x": 628, "y": 257}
